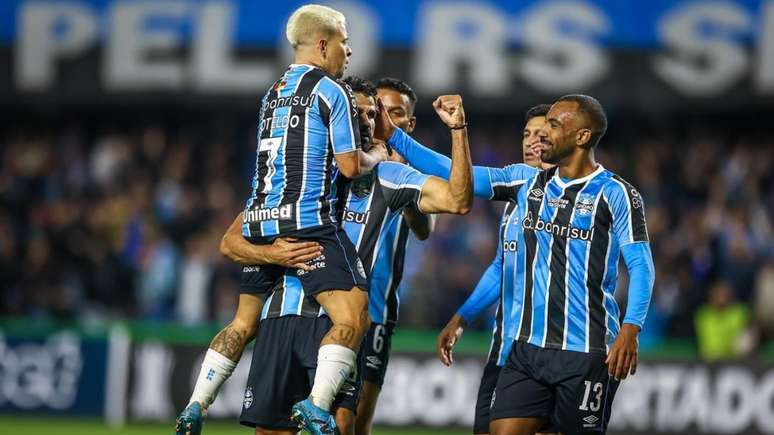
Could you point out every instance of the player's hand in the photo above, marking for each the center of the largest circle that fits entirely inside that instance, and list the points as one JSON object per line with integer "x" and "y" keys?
{"x": 448, "y": 338}
{"x": 622, "y": 359}
{"x": 379, "y": 151}
{"x": 449, "y": 109}
{"x": 289, "y": 252}
{"x": 384, "y": 127}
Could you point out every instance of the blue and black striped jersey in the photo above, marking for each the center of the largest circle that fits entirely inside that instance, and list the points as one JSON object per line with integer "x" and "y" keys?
{"x": 371, "y": 216}
{"x": 305, "y": 119}
{"x": 571, "y": 233}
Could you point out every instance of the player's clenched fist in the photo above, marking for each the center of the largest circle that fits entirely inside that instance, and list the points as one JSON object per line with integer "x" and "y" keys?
{"x": 449, "y": 109}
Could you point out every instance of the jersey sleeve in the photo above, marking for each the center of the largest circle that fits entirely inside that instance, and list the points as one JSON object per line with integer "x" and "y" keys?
{"x": 400, "y": 184}
{"x": 642, "y": 274}
{"x": 628, "y": 210}
{"x": 487, "y": 290}
{"x": 484, "y": 178}
{"x": 505, "y": 181}
{"x": 343, "y": 128}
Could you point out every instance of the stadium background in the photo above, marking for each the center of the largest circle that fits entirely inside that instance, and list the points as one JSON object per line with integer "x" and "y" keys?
{"x": 127, "y": 143}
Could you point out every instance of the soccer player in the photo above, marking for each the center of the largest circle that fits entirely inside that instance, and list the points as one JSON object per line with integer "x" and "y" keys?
{"x": 576, "y": 221}
{"x": 309, "y": 119}
{"x": 491, "y": 287}
{"x": 399, "y": 101}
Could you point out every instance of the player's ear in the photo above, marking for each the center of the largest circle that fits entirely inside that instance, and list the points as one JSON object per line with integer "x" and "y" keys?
{"x": 412, "y": 124}
{"x": 583, "y": 137}
{"x": 322, "y": 45}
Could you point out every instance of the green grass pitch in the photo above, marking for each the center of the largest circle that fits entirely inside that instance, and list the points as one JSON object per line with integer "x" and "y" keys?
{"x": 12, "y": 425}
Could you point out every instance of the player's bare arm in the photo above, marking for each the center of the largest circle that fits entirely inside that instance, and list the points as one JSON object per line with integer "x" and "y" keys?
{"x": 284, "y": 251}
{"x": 356, "y": 163}
{"x": 456, "y": 195}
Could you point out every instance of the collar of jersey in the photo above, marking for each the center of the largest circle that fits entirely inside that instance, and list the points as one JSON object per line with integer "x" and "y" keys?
{"x": 564, "y": 184}
{"x": 296, "y": 65}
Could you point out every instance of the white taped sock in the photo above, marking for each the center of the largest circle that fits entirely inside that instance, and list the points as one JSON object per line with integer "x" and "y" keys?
{"x": 334, "y": 364}
{"x": 216, "y": 368}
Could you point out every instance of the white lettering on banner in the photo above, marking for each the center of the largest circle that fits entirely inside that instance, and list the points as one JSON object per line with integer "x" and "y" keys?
{"x": 428, "y": 393}
{"x": 213, "y": 69}
{"x": 564, "y": 62}
{"x": 704, "y": 49}
{"x": 130, "y": 44}
{"x": 679, "y": 398}
{"x": 44, "y": 375}
{"x": 702, "y": 64}
{"x": 151, "y": 393}
{"x": 38, "y": 46}
{"x": 473, "y": 34}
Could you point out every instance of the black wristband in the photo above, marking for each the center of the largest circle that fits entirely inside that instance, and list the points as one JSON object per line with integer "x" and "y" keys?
{"x": 459, "y": 127}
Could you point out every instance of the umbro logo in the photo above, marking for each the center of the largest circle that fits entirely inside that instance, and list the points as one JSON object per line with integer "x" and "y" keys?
{"x": 536, "y": 194}
{"x": 373, "y": 362}
{"x": 591, "y": 421}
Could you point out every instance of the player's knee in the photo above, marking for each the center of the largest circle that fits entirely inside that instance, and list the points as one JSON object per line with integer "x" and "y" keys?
{"x": 245, "y": 326}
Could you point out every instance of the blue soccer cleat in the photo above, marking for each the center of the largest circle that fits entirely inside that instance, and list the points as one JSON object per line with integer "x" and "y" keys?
{"x": 315, "y": 420}
{"x": 189, "y": 422}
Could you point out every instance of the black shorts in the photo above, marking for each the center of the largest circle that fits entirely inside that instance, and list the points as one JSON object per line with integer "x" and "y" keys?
{"x": 337, "y": 268}
{"x": 376, "y": 353}
{"x": 282, "y": 372}
{"x": 484, "y": 401}
{"x": 571, "y": 389}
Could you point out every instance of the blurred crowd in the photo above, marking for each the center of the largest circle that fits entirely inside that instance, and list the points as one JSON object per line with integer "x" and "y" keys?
{"x": 124, "y": 222}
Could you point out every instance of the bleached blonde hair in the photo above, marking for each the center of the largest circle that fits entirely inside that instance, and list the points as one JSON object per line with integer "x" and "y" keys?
{"x": 310, "y": 21}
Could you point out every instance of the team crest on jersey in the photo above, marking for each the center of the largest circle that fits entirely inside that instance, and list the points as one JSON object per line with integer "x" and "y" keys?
{"x": 584, "y": 205}
{"x": 536, "y": 194}
{"x": 248, "y": 401}
{"x": 361, "y": 187}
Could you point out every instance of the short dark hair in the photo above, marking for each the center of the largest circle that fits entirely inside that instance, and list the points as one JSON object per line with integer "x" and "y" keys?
{"x": 593, "y": 111}
{"x": 399, "y": 86}
{"x": 535, "y": 111}
{"x": 361, "y": 85}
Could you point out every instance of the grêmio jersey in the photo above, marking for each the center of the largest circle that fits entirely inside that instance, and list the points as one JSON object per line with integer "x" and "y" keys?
{"x": 570, "y": 238}
{"x": 306, "y": 118}
{"x": 371, "y": 215}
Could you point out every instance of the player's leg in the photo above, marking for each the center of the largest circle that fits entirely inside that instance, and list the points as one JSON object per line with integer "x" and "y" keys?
{"x": 584, "y": 396}
{"x": 516, "y": 426}
{"x": 338, "y": 282}
{"x": 376, "y": 356}
{"x": 307, "y": 349}
{"x": 484, "y": 401}
{"x": 276, "y": 379}
{"x": 522, "y": 401}
{"x": 345, "y": 421}
{"x": 226, "y": 348}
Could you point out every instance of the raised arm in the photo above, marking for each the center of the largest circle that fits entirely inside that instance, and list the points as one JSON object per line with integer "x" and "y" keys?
{"x": 283, "y": 252}
{"x": 456, "y": 195}
{"x": 487, "y": 181}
